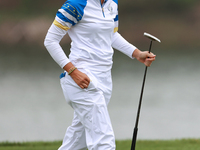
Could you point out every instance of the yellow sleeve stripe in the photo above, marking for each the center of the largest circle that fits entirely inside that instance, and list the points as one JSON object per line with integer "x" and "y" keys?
{"x": 60, "y": 25}
{"x": 115, "y": 29}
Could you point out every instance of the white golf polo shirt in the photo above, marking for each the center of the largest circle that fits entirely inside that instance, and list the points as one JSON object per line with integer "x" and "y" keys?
{"x": 92, "y": 28}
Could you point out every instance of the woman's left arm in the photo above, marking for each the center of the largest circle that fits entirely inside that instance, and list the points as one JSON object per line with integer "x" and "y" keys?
{"x": 119, "y": 43}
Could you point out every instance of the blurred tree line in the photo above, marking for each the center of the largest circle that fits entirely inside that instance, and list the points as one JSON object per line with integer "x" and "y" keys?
{"x": 176, "y": 22}
{"x": 24, "y": 8}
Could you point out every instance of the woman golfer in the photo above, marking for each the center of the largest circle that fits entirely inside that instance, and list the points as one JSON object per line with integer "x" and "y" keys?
{"x": 92, "y": 26}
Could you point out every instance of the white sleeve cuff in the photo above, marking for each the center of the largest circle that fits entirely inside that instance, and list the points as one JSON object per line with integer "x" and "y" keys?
{"x": 51, "y": 42}
{"x": 120, "y": 44}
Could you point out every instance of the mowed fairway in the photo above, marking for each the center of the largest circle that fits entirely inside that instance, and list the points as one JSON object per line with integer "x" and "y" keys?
{"x": 185, "y": 144}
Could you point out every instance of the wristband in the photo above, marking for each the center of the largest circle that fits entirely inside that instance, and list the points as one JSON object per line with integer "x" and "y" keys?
{"x": 71, "y": 70}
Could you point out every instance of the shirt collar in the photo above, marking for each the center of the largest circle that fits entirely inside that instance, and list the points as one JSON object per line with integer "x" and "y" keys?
{"x": 104, "y": 2}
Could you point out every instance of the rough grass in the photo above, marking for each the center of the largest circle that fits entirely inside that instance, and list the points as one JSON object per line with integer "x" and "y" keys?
{"x": 184, "y": 144}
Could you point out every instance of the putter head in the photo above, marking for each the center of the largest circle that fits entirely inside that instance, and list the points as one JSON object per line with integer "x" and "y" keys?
{"x": 151, "y": 37}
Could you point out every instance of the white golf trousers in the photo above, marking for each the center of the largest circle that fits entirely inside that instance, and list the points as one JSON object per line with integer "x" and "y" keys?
{"x": 91, "y": 126}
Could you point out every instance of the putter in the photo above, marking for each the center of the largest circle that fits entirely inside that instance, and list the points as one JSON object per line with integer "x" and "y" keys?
{"x": 152, "y": 38}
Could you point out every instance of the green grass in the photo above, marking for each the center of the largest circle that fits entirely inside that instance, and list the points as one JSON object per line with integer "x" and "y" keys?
{"x": 184, "y": 144}
{"x": 30, "y": 146}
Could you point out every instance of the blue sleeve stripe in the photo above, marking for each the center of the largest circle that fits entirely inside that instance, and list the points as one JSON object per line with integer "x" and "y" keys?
{"x": 116, "y": 1}
{"x": 64, "y": 18}
{"x": 67, "y": 15}
{"x": 72, "y": 11}
{"x": 116, "y": 18}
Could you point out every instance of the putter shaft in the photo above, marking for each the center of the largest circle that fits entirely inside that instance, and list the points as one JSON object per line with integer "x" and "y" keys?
{"x": 139, "y": 107}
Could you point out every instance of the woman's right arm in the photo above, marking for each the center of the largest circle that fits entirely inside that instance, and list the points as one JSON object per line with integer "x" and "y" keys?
{"x": 52, "y": 44}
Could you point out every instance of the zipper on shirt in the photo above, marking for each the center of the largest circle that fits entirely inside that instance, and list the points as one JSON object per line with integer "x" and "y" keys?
{"x": 102, "y": 8}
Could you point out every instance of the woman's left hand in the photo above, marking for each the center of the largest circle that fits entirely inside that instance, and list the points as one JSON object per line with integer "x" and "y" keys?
{"x": 144, "y": 57}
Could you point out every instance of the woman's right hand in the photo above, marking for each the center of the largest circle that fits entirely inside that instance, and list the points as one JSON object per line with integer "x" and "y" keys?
{"x": 81, "y": 79}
